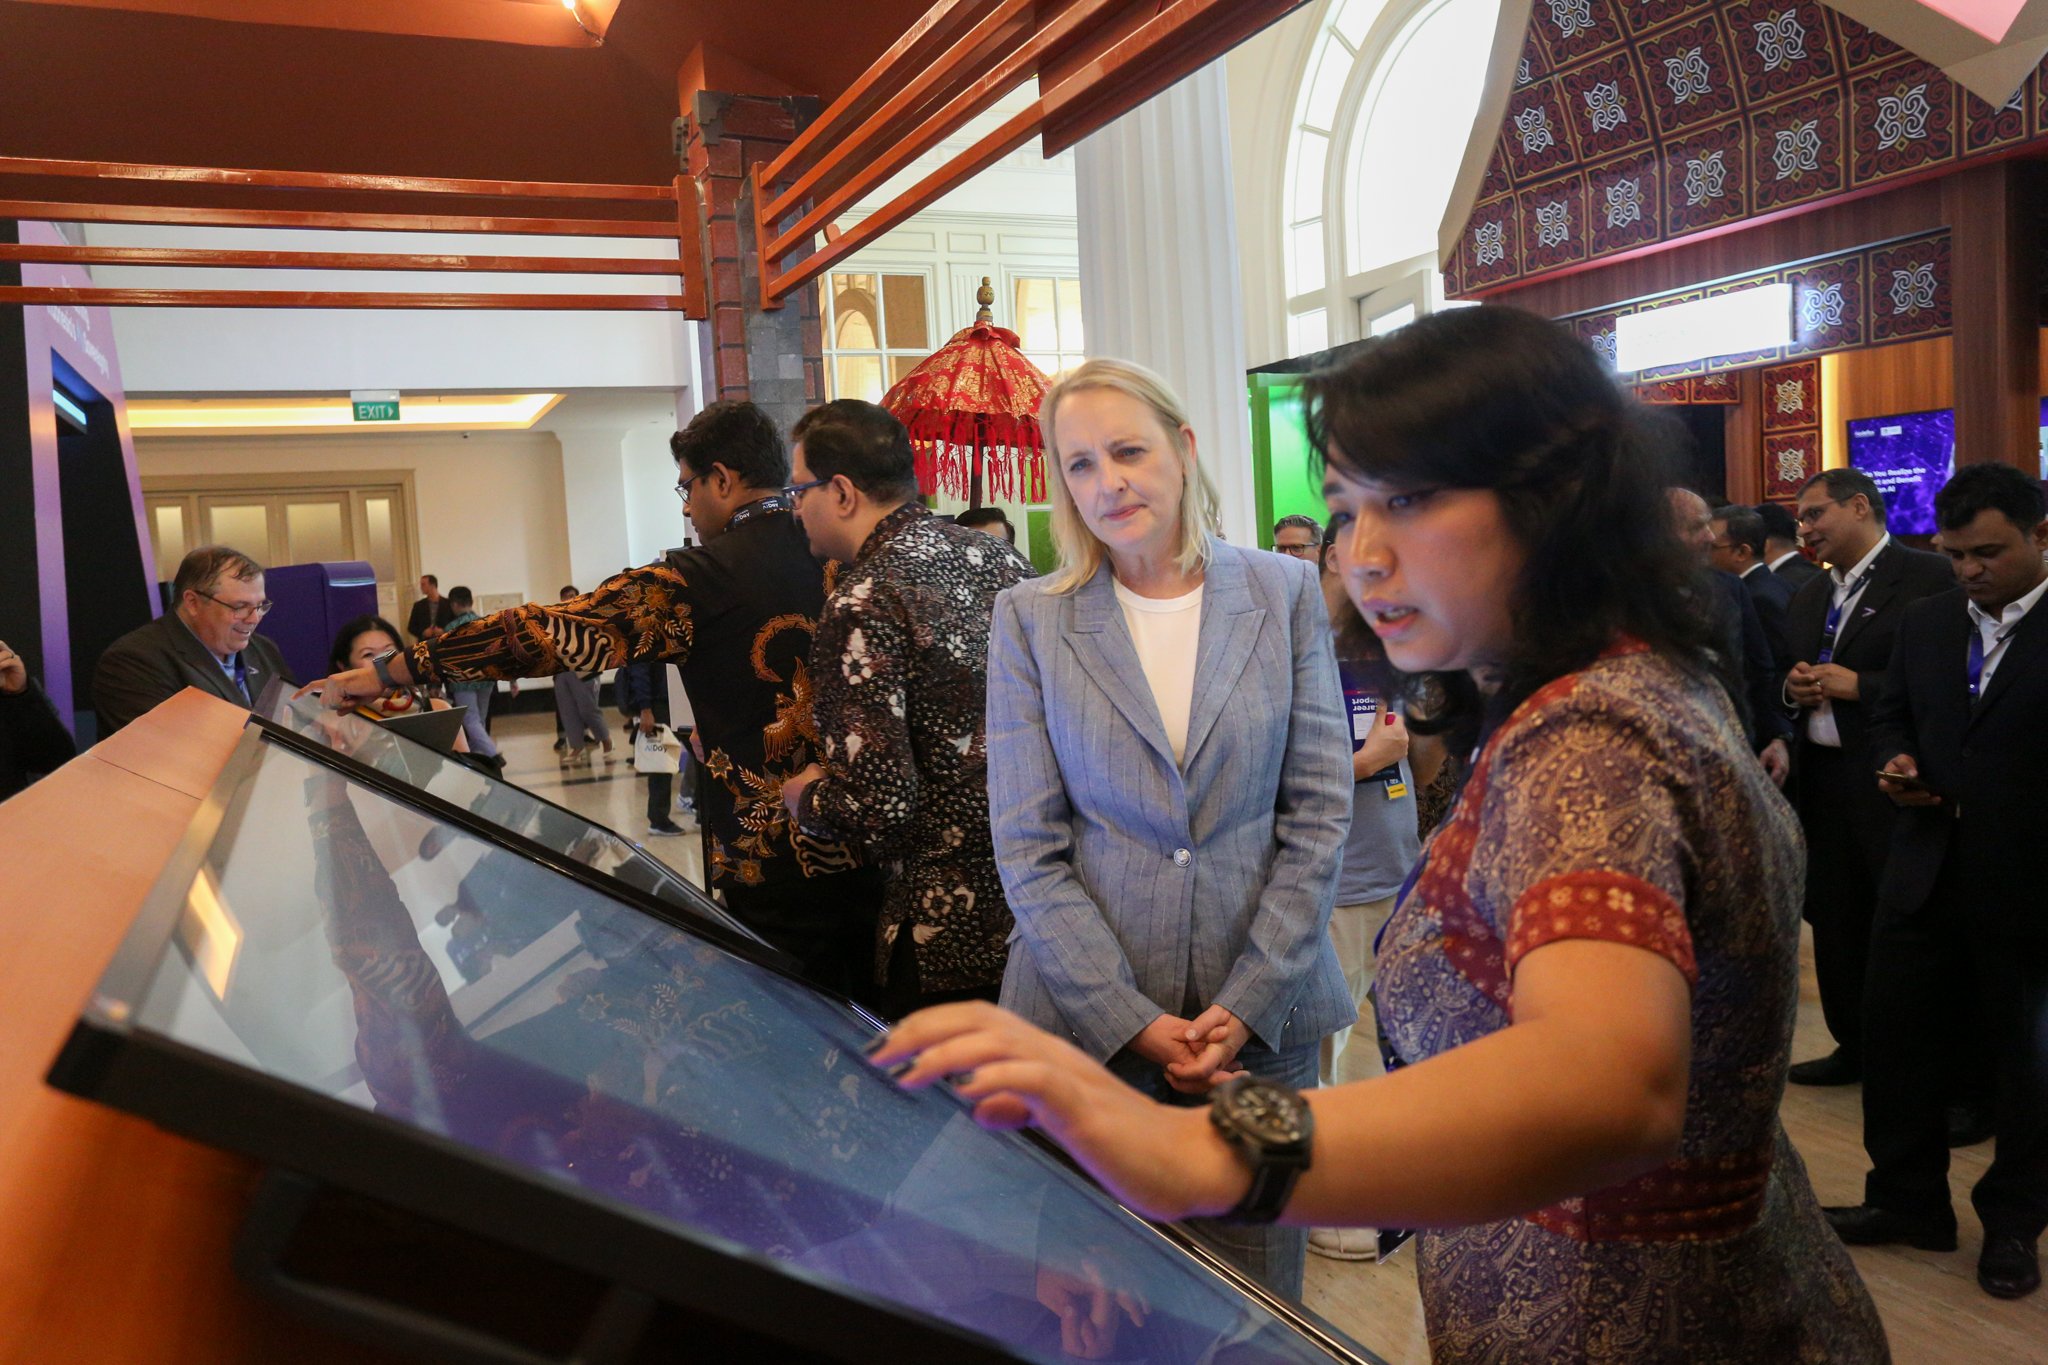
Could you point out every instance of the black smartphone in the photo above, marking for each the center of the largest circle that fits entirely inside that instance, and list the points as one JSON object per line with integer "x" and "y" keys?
{"x": 1911, "y": 784}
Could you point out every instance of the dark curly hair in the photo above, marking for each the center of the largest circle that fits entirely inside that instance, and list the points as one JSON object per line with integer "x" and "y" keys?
{"x": 1500, "y": 399}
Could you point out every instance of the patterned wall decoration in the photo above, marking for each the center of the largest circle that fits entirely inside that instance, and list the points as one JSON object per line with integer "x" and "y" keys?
{"x": 1636, "y": 122}
{"x": 1711, "y": 389}
{"x": 1792, "y": 426}
{"x": 1898, "y": 291}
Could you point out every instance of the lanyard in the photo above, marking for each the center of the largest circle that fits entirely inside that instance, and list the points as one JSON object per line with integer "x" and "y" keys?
{"x": 1834, "y": 621}
{"x": 1978, "y": 652}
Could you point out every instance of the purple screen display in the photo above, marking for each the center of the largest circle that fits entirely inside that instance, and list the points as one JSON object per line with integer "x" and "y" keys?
{"x": 364, "y": 951}
{"x": 1909, "y": 457}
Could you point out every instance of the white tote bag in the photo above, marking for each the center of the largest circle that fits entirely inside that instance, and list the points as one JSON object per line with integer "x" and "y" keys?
{"x": 657, "y": 751}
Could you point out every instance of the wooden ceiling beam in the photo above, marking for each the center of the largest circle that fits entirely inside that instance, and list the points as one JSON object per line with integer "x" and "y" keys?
{"x": 160, "y": 215}
{"x": 319, "y": 180}
{"x": 282, "y": 298}
{"x": 208, "y": 258}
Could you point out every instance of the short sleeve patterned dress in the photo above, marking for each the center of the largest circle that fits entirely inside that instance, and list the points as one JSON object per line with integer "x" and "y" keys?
{"x": 1619, "y": 803}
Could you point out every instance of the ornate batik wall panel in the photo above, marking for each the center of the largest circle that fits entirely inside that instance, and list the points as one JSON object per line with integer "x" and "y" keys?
{"x": 1790, "y": 459}
{"x": 1638, "y": 122}
{"x": 1899, "y": 291}
{"x": 1792, "y": 424}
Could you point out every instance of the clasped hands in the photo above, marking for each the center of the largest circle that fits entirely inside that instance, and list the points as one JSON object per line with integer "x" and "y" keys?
{"x": 1809, "y": 685}
{"x": 1195, "y": 1054}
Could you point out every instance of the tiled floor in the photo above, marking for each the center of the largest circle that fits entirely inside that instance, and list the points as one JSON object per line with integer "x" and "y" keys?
{"x": 1931, "y": 1305}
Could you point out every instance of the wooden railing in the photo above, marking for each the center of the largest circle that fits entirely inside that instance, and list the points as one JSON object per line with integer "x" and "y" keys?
{"x": 1094, "y": 60}
{"x": 578, "y": 211}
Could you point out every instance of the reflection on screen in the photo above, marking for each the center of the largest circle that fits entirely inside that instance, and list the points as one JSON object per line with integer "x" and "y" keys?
{"x": 507, "y": 806}
{"x": 1909, "y": 456}
{"x": 360, "y": 949}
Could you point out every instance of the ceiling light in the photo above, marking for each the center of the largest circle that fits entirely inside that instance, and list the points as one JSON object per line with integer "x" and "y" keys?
{"x": 334, "y": 416}
{"x": 1736, "y": 323}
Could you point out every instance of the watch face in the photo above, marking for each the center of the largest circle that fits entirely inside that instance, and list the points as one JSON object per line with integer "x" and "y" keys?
{"x": 1269, "y": 1113}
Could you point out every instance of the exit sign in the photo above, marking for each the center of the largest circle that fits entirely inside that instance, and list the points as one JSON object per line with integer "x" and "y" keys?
{"x": 375, "y": 405}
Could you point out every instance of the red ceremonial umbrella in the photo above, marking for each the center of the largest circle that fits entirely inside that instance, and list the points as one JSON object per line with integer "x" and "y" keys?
{"x": 972, "y": 410}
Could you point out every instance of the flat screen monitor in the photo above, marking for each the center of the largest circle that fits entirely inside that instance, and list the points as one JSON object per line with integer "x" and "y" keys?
{"x": 510, "y": 807}
{"x": 1909, "y": 457}
{"x": 620, "y": 1093}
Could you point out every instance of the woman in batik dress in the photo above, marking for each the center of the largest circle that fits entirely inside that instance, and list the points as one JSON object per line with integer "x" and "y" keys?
{"x": 1591, "y": 976}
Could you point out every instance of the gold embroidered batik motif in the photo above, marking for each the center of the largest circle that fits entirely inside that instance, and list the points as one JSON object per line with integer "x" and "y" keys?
{"x": 1620, "y": 804}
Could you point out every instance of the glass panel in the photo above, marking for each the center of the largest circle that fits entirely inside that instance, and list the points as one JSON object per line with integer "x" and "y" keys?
{"x": 1307, "y": 245}
{"x": 1312, "y": 150}
{"x": 1392, "y": 321}
{"x": 315, "y": 533}
{"x": 245, "y": 526}
{"x": 856, "y": 321}
{"x": 492, "y": 1003}
{"x": 903, "y": 312}
{"x": 504, "y": 805}
{"x": 1049, "y": 361}
{"x": 1333, "y": 68}
{"x": 900, "y": 365}
{"x": 168, "y": 524}
{"x": 1037, "y": 314}
{"x": 859, "y": 376}
{"x": 383, "y": 558}
{"x": 1354, "y": 21}
{"x": 1070, "y": 316}
{"x": 1311, "y": 332}
{"x": 1410, "y": 137}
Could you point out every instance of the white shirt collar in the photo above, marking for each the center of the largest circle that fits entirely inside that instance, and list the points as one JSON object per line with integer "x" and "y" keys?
{"x": 1789, "y": 554}
{"x": 2014, "y": 610}
{"x": 1753, "y": 569}
{"x": 1857, "y": 570}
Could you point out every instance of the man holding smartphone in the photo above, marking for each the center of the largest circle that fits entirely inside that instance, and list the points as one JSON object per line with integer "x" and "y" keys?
{"x": 1959, "y": 739}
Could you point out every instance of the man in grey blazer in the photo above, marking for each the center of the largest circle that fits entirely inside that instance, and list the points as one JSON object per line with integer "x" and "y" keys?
{"x": 206, "y": 640}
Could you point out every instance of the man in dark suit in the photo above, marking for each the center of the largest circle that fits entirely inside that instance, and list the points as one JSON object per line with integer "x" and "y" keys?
{"x": 1738, "y": 549}
{"x": 1752, "y": 663}
{"x": 1840, "y": 628}
{"x": 432, "y": 613}
{"x": 206, "y": 640}
{"x": 1961, "y": 915}
{"x": 1781, "y": 547}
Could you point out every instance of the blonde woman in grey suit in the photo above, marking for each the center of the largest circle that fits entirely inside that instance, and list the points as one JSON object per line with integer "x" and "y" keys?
{"x": 1169, "y": 776}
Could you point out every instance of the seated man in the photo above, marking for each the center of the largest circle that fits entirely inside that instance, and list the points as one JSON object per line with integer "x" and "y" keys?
{"x": 206, "y": 640}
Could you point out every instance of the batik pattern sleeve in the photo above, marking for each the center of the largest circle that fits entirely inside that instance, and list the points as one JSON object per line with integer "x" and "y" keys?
{"x": 1584, "y": 833}
{"x": 861, "y": 661}
{"x": 639, "y": 614}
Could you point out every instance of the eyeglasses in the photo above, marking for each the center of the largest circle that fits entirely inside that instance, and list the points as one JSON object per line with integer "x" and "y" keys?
{"x": 1807, "y": 516}
{"x": 1298, "y": 551}
{"x": 1722, "y": 544}
{"x": 683, "y": 488}
{"x": 793, "y": 491}
{"x": 243, "y": 611}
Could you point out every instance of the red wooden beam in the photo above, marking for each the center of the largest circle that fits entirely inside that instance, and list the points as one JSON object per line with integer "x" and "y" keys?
{"x": 1018, "y": 130}
{"x": 271, "y": 298}
{"x": 906, "y": 56}
{"x": 690, "y": 248}
{"x": 321, "y": 180}
{"x": 877, "y": 164}
{"x": 335, "y": 260}
{"x": 364, "y": 222}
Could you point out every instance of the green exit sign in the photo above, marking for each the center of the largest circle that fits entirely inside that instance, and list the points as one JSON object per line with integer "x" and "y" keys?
{"x": 375, "y": 405}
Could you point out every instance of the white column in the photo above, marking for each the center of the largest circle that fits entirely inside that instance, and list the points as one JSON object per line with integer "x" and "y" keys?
{"x": 1159, "y": 268}
{"x": 594, "y": 494}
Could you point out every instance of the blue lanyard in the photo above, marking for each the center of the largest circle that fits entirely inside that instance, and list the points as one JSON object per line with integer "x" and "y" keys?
{"x": 1834, "y": 621}
{"x": 1977, "y": 653}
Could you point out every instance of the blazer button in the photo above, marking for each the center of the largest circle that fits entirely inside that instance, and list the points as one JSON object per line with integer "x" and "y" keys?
{"x": 1181, "y": 857}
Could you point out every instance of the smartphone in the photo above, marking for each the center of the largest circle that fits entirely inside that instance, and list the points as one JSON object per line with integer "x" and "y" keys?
{"x": 1911, "y": 784}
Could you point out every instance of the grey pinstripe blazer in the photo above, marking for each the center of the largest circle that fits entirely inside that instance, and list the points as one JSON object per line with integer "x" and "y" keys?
{"x": 1138, "y": 884}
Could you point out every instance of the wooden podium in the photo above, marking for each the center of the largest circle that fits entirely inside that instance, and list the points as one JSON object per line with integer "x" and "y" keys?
{"x": 115, "y": 1237}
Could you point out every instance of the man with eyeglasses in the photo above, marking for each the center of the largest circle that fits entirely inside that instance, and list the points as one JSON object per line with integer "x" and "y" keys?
{"x": 1299, "y": 536}
{"x": 1840, "y": 628}
{"x": 207, "y": 640}
{"x": 735, "y": 614}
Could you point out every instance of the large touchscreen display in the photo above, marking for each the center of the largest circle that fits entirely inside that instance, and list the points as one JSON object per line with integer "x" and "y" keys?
{"x": 340, "y": 941}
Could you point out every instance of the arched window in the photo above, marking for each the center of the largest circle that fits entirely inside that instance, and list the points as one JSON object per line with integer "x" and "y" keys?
{"x": 1396, "y": 85}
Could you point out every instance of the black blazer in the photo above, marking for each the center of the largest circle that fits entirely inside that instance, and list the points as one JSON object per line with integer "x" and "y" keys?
{"x": 1771, "y": 595}
{"x": 154, "y": 662}
{"x": 1985, "y": 759}
{"x": 32, "y": 740}
{"x": 1752, "y": 661}
{"x": 1798, "y": 571}
{"x": 1864, "y": 645}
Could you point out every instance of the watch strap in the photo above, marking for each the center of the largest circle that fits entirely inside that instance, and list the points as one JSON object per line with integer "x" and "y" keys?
{"x": 382, "y": 663}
